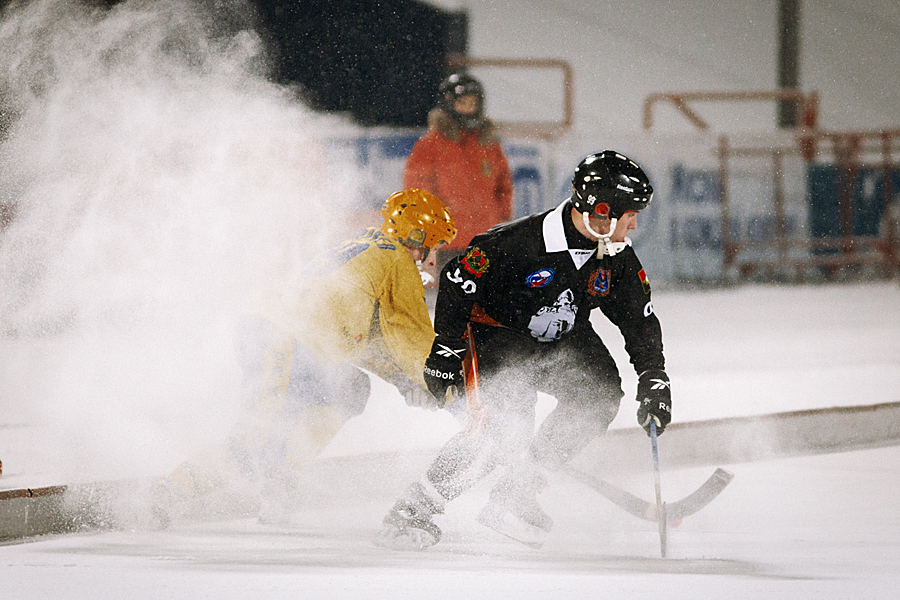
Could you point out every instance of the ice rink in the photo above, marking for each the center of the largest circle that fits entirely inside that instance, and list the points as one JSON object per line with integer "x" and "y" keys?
{"x": 822, "y": 526}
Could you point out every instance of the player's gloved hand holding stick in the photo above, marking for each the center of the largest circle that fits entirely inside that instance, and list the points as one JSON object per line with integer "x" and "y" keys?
{"x": 655, "y": 400}
{"x": 444, "y": 368}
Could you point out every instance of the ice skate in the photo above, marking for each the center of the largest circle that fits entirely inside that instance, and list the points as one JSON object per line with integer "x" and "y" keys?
{"x": 513, "y": 509}
{"x": 408, "y": 525}
{"x": 277, "y": 512}
{"x": 163, "y": 499}
{"x": 278, "y": 499}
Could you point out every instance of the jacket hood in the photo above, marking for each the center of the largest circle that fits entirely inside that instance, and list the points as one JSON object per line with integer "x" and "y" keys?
{"x": 440, "y": 121}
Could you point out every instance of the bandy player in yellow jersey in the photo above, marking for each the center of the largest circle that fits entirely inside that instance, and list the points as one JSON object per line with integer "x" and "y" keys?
{"x": 302, "y": 356}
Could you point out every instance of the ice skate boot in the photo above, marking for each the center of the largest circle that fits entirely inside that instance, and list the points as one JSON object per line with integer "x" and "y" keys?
{"x": 513, "y": 509}
{"x": 163, "y": 500}
{"x": 408, "y": 525}
{"x": 278, "y": 500}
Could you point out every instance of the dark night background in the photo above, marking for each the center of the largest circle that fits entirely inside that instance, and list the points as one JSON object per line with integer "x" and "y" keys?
{"x": 379, "y": 61}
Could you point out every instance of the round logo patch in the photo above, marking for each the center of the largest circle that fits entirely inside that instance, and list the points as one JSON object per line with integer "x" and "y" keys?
{"x": 539, "y": 279}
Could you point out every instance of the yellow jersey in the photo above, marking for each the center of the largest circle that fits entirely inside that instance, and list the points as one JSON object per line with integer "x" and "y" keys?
{"x": 366, "y": 305}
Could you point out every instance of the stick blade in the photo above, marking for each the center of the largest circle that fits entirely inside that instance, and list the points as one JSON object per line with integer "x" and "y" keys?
{"x": 642, "y": 509}
{"x": 702, "y": 496}
{"x": 626, "y": 501}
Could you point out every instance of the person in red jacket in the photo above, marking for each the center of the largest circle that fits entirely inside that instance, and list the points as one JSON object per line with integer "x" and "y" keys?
{"x": 461, "y": 162}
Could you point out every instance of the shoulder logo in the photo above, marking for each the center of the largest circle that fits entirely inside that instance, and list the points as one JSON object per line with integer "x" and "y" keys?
{"x": 540, "y": 278}
{"x": 644, "y": 281}
{"x": 475, "y": 262}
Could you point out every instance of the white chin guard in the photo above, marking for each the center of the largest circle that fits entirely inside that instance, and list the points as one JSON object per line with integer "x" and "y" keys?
{"x": 604, "y": 246}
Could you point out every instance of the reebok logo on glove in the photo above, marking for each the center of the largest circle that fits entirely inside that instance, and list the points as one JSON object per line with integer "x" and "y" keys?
{"x": 443, "y": 367}
{"x": 448, "y": 352}
{"x": 659, "y": 384}
{"x": 439, "y": 374}
{"x": 655, "y": 397}
{"x": 662, "y": 405}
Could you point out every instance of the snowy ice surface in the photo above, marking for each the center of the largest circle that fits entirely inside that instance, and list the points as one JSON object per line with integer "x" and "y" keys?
{"x": 824, "y": 527}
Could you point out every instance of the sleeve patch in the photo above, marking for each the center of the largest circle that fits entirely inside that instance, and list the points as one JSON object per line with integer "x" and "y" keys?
{"x": 475, "y": 262}
{"x": 644, "y": 281}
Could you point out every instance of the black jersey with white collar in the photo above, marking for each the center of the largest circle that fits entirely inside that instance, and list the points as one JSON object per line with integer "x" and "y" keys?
{"x": 538, "y": 276}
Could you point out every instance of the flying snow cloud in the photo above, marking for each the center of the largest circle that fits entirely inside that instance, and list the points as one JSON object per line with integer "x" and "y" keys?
{"x": 158, "y": 183}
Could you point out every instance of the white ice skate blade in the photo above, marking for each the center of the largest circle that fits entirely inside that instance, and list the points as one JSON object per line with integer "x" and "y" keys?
{"x": 276, "y": 519}
{"x": 393, "y": 538}
{"x": 506, "y": 523}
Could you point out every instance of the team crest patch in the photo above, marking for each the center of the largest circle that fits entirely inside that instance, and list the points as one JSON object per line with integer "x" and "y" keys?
{"x": 599, "y": 284}
{"x": 644, "y": 281}
{"x": 539, "y": 279}
{"x": 475, "y": 262}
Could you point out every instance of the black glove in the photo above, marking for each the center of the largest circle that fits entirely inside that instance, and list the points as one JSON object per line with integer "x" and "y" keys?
{"x": 655, "y": 398}
{"x": 443, "y": 367}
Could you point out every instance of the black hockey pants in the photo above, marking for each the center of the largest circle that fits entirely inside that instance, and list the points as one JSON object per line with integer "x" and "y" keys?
{"x": 578, "y": 371}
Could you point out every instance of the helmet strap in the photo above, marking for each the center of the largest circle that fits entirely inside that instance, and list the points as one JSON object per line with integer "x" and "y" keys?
{"x": 427, "y": 278}
{"x": 415, "y": 245}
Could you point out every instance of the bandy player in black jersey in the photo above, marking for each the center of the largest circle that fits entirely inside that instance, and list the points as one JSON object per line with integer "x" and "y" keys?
{"x": 525, "y": 290}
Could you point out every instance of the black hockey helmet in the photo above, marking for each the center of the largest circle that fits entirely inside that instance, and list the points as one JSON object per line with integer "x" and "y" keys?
{"x": 455, "y": 87}
{"x": 609, "y": 184}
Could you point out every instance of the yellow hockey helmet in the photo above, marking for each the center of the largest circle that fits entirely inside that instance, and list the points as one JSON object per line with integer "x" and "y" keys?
{"x": 417, "y": 218}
